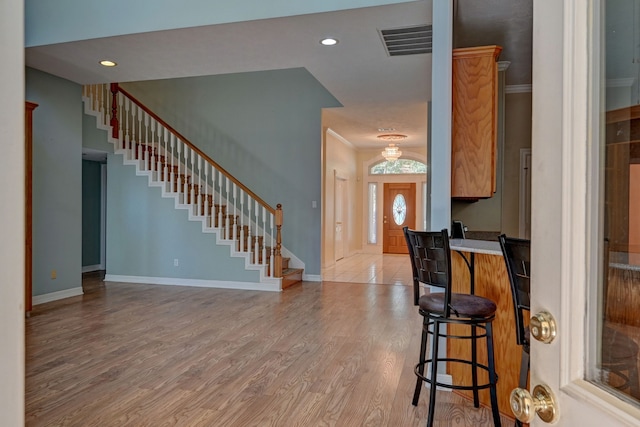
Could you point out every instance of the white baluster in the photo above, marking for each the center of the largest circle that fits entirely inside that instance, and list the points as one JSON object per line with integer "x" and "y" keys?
{"x": 179, "y": 177}
{"x": 249, "y": 228}
{"x": 100, "y": 103}
{"x": 187, "y": 178}
{"x": 235, "y": 212}
{"x": 242, "y": 233}
{"x": 264, "y": 235}
{"x": 164, "y": 166}
{"x": 159, "y": 152}
{"x": 172, "y": 175}
{"x": 121, "y": 138}
{"x": 205, "y": 207}
{"x": 256, "y": 246}
{"x": 199, "y": 204}
{"x": 149, "y": 147}
{"x": 106, "y": 118}
{"x": 273, "y": 247}
{"x": 127, "y": 136}
{"x": 227, "y": 230}
{"x": 94, "y": 97}
{"x": 192, "y": 176}
{"x": 142, "y": 135}
{"x": 214, "y": 213}
{"x": 220, "y": 215}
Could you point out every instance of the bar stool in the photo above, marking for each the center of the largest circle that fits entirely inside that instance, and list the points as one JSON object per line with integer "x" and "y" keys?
{"x": 431, "y": 264}
{"x": 517, "y": 257}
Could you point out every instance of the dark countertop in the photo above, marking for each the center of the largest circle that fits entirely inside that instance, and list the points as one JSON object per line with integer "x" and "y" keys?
{"x": 482, "y": 235}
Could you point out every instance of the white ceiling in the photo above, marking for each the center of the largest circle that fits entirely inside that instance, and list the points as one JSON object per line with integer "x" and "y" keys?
{"x": 376, "y": 90}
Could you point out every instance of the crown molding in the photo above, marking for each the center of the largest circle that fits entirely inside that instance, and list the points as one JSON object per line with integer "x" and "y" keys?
{"x": 503, "y": 65}
{"x": 340, "y": 138}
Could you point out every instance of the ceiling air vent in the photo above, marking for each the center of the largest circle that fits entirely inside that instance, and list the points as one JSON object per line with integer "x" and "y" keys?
{"x": 407, "y": 40}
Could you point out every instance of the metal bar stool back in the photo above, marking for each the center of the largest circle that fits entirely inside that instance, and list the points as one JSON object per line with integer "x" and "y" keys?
{"x": 431, "y": 264}
{"x": 517, "y": 257}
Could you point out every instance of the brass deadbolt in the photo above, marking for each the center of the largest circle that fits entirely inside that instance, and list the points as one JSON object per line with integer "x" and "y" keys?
{"x": 543, "y": 327}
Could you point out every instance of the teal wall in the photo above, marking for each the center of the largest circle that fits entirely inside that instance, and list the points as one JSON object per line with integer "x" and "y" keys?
{"x": 57, "y": 178}
{"x": 146, "y": 233}
{"x": 49, "y": 22}
{"x": 265, "y": 129}
{"x": 92, "y": 137}
{"x": 91, "y": 209}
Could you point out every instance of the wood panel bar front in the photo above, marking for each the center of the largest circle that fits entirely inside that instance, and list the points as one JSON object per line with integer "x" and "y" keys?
{"x": 491, "y": 281}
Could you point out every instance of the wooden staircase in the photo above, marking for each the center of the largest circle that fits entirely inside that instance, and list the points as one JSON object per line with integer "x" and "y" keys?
{"x": 180, "y": 171}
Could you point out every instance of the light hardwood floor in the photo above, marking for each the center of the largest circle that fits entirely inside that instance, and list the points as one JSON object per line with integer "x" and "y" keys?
{"x": 318, "y": 354}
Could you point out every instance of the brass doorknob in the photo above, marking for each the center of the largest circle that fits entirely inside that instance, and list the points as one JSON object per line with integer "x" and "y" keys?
{"x": 543, "y": 327}
{"x": 525, "y": 405}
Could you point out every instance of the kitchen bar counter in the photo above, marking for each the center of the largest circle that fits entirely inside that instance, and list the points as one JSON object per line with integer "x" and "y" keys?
{"x": 476, "y": 246}
{"x": 485, "y": 259}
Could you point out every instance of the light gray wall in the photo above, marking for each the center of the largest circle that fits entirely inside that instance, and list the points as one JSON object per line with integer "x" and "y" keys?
{"x": 518, "y": 134}
{"x": 91, "y": 212}
{"x": 57, "y": 180}
{"x": 265, "y": 129}
{"x": 12, "y": 215}
{"x": 146, "y": 233}
{"x": 67, "y": 20}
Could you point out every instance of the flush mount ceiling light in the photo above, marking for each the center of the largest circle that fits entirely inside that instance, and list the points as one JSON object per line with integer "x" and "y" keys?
{"x": 392, "y": 153}
{"x": 108, "y": 63}
{"x": 329, "y": 41}
{"x": 392, "y": 137}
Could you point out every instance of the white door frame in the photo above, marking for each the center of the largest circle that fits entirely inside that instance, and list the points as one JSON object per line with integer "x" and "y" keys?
{"x": 340, "y": 202}
{"x": 524, "y": 203}
{"x": 565, "y": 214}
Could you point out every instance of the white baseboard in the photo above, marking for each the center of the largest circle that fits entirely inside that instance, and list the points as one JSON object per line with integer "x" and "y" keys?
{"x": 442, "y": 379}
{"x": 311, "y": 277}
{"x": 54, "y": 296}
{"x": 90, "y": 268}
{"x": 176, "y": 281}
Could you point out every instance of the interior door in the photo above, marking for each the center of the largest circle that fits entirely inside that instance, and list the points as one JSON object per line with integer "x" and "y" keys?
{"x": 399, "y": 211}
{"x": 339, "y": 214}
{"x": 571, "y": 263}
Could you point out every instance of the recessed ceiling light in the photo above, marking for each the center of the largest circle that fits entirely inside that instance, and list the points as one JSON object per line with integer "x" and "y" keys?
{"x": 107, "y": 63}
{"x": 329, "y": 41}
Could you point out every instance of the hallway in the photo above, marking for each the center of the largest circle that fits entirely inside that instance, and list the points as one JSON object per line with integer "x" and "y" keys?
{"x": 389, "y": 269}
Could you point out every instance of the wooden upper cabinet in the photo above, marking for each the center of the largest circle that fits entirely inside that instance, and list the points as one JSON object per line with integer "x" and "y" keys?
{"x": 474, "y": 122}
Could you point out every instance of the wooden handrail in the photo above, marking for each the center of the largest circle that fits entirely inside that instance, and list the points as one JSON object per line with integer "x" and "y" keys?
{"x": 115, "y": 88}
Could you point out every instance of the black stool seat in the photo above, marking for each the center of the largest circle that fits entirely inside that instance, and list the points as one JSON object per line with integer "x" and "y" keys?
{"x": 431, "y": 264}
{"x": 462, "y": 305}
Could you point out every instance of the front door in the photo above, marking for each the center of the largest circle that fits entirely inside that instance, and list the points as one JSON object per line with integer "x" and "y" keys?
{"x": 399, "y": 211}
{"x": 585, "y": 100}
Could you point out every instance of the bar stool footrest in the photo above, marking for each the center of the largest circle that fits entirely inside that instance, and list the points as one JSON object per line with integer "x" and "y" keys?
{"x": 453, "y": 386}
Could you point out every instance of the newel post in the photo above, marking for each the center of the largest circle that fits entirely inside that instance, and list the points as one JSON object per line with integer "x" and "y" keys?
{"x": 115, "y": 129}
{"x": 277, "y": 271}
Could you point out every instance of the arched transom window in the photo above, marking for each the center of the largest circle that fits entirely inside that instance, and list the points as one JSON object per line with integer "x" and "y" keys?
{"x": 400, "y": 166}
